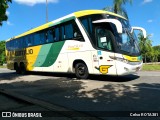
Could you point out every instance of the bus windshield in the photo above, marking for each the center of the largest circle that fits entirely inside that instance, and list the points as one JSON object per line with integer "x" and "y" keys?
{"x": 105, "y": 36}
{"x": 126, "y": 42}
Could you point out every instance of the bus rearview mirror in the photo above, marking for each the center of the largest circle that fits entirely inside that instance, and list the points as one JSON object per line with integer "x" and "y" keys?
{"x": 141, "y": 29}
{"x": 116, "y": 22}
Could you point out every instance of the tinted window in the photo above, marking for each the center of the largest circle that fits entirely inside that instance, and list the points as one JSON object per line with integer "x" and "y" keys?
{"x": 25, "y": 42}
{"x": 57, "y": 35}
{"x": 104, "y": 39}
{"x": 89, "y": 26}
{"x": 8, "y": 45}
{"x": 63, "y": 36}
{"x": 29, "y": 41}
{"x": 36, "y": 39}
{"x": 19, "y": 43}
{"x": 42, "y": 37}
{"x": 50, "y": 35}
{"x": 68, "y": 31}
{"x": 85, "y": 24}
{"x": 16, "y": 44}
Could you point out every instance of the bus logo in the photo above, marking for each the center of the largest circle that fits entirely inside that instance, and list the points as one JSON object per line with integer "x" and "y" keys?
{"x": 104, "y": 68}
{"x": 134, "y": 59}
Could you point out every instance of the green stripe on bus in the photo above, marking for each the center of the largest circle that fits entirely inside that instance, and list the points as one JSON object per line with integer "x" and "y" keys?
{"x": 42, "y": 55}
{"x": 52, "y": 54}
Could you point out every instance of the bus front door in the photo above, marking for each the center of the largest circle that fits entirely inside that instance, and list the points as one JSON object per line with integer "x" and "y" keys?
{"x": 105, "y": 45}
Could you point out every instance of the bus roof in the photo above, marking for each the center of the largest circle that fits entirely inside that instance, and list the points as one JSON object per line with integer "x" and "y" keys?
{"x": 66, "y": 18}
{"x": 89, "y": 12}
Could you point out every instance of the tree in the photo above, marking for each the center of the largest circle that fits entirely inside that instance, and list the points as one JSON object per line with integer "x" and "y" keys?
{"x": 157, "y": 49}
{"x": 145, "y": 45}
{"x": 3, "y": 8}
{"x": 2, "y": 52}
{"x": 152, "y": 55}
{"x": 118, "y": 7}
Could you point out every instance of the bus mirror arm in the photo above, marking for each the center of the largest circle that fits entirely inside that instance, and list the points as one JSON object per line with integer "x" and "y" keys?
{"x": 116, "y": 22}
{"x": 141, "y": 29}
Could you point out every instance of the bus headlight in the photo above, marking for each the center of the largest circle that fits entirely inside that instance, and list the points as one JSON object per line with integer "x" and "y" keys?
{"x": 119, "y": 59}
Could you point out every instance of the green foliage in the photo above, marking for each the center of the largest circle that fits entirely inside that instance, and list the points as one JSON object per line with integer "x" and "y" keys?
{"x": 151, "y": 67}
{"x": 2, "y": 52}
{"x": 118, "y": 7}
{"x": 145, "y": 45}
{"x": 2, "y": 66}
{"x": 149, "y": 53}
{"x": 3, "y": 8}
{"x": 157, "y": 50}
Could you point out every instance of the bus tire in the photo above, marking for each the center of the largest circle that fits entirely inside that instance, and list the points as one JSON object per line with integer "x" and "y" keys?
{"x": 17, "y": 68}
{"x": 81, "y": 71}
{"x": 22, "y": 69}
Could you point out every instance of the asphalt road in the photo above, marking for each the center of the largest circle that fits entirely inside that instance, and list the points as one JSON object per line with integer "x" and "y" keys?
{"x": 139, "y": 92}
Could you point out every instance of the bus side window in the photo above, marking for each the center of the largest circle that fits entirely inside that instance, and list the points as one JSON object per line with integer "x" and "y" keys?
{"x": 16, "y": 43}
{"x": 10, "y": 45}
{"x": 76, "y": 32}
{"x": 63, "y": 36}
{"x": 46, "y": 37}
{"x": 22, "y": 42}
{"x": 57, "y": 35}
{"x": 13, "y": 45}
{"x": 85, "y": 24}
{"x": 30, "y": 40}
{"x": 42, "y": 37}
{"x": 25, "y": 42}
{"x": 68, "y": 31}
{"x": 50, "y": 35}
{"x": 19, "y": 43}
{"x": 7, "y": 45}
{"x": 36, "y": 39}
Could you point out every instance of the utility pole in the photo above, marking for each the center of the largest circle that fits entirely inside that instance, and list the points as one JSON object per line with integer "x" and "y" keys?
{"x": 46, "y": 11}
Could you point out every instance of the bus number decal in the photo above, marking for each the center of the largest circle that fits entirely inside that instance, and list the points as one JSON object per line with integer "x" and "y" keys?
{"x": 24, "y": 52}
{"x": 104, "y": 68}
{"x": 30, "y": 51}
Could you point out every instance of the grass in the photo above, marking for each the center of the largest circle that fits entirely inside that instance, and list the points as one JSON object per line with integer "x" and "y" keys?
{"x": 151, "y": 67}
{"x": 2, "y": 66}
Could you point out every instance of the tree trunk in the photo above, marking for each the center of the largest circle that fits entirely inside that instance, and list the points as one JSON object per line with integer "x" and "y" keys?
{"x": 145, "y": 58}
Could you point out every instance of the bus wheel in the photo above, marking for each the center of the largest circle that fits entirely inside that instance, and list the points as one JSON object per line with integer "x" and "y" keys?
{"x": 22, "y": 69}
{"x": 17, "y": 68}
{"x": 81, "y": 71}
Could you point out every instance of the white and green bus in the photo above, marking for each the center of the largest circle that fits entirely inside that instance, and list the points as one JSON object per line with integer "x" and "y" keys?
{"x": 84, "y": 42}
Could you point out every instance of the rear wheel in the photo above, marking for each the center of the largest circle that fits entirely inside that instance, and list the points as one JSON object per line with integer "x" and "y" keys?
{"x": 81, "y": 71}
{"x": 22, "y": 69}
{"x": 16, "y": 67}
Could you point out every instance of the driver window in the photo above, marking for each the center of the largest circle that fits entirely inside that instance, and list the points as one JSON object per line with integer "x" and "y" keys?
{"x": 104, "y": 40}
